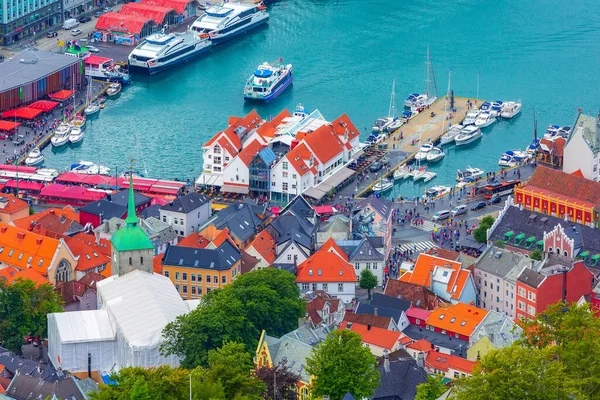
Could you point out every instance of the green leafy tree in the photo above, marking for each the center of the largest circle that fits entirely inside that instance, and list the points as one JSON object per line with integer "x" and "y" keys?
{"x": 367, "y": 281}
{"x": 432, "y": 389}
{"x": 280, "y": 382}
{"x": 231, "y": 366}
{"x": 480, "y": 233}
{"x": 536, "y": 255}
{"x": 267, "y": 299}
{"x": 342, "y": 364}
{"x": 23, "y": 311}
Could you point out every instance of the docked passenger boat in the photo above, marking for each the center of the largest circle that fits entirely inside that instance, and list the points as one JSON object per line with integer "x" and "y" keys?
{"x": 34, "y": 158}
{"x": 484, "y": 119}
{"x": 551, "y": 131}
{"x": 401, "y": 172}
{"x": 496, "y": 108}
{"x": 87, "y": 167}
{"x": 383, "y": 186}
{"x": 79, "y": 120}
{"x": 469, "y": 174}
{"x": 471, "y": 117}
{"x": 469, "y": 134}
{"x": 268, "y": 81}
{"x": 224, "y": 22}
{"x": 435, "y": 155}
{"x": 114, "y": 89}
{"x": 76, "y": 135}
{"x": 105, "y": 69}
{"x": 510, "y": 109}
{"x": 162, "y": 51}
{"x": 61, "y": 135}
{"x": 452, "y": 133}
{"x": 436, "y": 191}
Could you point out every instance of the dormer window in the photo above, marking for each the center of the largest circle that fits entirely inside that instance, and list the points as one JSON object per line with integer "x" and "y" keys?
{"x": 442, "y": 316}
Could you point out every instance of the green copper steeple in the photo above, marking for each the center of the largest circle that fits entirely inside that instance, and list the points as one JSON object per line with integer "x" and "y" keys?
{"x": 131, "y": 219}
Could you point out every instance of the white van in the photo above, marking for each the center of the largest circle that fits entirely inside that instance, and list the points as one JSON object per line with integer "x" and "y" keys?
{"x": 70, "y": 23}
{"x": 441, "y": 215}
{"x": 458, "y": 210}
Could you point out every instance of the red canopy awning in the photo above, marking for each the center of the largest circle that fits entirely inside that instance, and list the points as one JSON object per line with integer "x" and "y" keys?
{"x": 72, "y": 192}
{"x": 71, "y": 177}
{"x": 61, "y": 95}
{"x": 44, "y": 105}
{"x": 12, "y": 167}
{"x": 8, "y": 125}
{"x": 324, "y": 210}
{"x": 23, "y": 112}
{"x": 25, "y": 185}
{"x": 96, "y": 60}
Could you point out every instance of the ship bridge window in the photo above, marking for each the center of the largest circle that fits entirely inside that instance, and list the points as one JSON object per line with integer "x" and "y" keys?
{"x": 258, "y": 89}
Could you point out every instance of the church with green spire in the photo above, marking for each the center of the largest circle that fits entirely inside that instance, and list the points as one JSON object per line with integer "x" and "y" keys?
{"x": 131, "y": 248}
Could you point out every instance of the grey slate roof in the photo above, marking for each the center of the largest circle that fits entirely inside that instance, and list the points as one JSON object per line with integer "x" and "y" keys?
{"x": 305, "y": 214}
{"x": 29, "y": 367}
{"x": 382, "y": 206}
{"x": 531, "y": 278}
{"x": 24, "y": 387}
{"x": 122, "y": 198}
{"x": 289, "y": 227}
{"x": 105, "y": 208}
{"x": 222, "y": 258}
{"x": 502, "y": 263}
{"x": 381, "y": 300}
{"x": 187, "y": 203}
{"x": 335, "y": 224}
{"x": 158, "y": 230}
{"x": 364, "y": 308}
{"x": 242, "y": 219}
{"x": 152, "y": 211}
{"x": 400, "y": 383}
{"x": 365, "y": 252}
{"x": 591, "y": 131}
{"x": 438, "y": 339}
{"x": 501, "y": 331}
{"x": 38, "y": 64}
{"x": 376, "y": 241}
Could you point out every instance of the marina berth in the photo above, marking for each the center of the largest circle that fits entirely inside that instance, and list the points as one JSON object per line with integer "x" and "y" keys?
{"x": 268, "y": 81}
{"x": 161, "y": 51}
{"x": 225, "y": 22}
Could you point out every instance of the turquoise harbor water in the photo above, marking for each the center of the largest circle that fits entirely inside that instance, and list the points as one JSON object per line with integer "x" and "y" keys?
{"x": 345, "y": 55}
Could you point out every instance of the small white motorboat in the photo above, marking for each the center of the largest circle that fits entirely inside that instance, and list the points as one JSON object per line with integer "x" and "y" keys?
{"x": 395, "y": 125}
{"x": 486, "y": 106}
{"x": 87, "y": 167}
{"x": 533, "y": 147}
{"x": 79, "y": 120}
{"x": 484, "y": 119}
{"x": 436, "y": 191}
{"x": 34, "y": 158}
{"x": 419, "y": 174}
{"x": 92, "y": 109}
{"x": 468, "y": 135}
{"x": 518, "y": 155}
{"x": 510, "y": 109}
{"x": 401, "y": 172}
{"x": 423, "y": 151}
{"x": 551, "y": 131}
{"x": 381, "y": 124}
{"x": 383, "y": 186}
{"x": 496, "y": 108}
{"x": 507, "y": 161}
{"x": 76, "y": 135}
{"x": 429, "y": 176}
{"x": 452, "y": 133}
{"x": 114, "y": 89}
{"x": 469, "y": 174}
{"x": 470, "y": 118}
{"x": 435, "y": 155}
{"x": 61, "y": 135}
{"x": 564, "y": 131}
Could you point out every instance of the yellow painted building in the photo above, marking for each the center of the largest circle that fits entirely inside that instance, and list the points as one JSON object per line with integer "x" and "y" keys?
{"x": 482, "y": 347}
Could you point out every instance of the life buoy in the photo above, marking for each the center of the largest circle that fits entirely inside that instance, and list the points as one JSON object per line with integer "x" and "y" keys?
{"x": 204, "y": 35}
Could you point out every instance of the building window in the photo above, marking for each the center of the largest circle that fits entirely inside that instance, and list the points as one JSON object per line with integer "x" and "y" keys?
{"x": 193, "y": 277}
{"x": 164, "y": 218}
{"x": 284, "y": 186}
{"x": 521, "y": 305}
{"x": 141, "y": 260}
{"x": 63, "y": 271}
{"x": 184, "y": 289}
{"x": 184, "y": 276}
{"x": 130, "y": 261}
{"x": 324, "y": 287}
{"x": 314, "y": 286}
{"x": 285, "y": 165}
{"x": 531, "y": 310}
{"x": 531, "y": 296}
{"x": 215, "y": 279}
{"x": 357, "y": 266}
{"x": 340, "y": 287}
{"x": 217, "y": 150}
{"x": 289, "y": 257}
{"x": 193, "y": 289}
{"x": 207, "y": 278}
{"x": 224, "y": 280}
{"x": 522, "y": 292}
{"x": 374, "y": 265}
{"x": 294, "y": 176}
{"x": 199, "y": 278}
{"x": 285, "y": 174}
{"x": 368, "y": 265}
{"x": 305, "y": 286}
{"x": 176, "y": 276}
{"x": 177, "y": 288}
{"x": 166, "y": 273}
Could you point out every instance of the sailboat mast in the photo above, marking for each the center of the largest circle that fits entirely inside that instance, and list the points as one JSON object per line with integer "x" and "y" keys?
{"x": 446, "y": 102}
{"x": 430, "y": 77}
{"x": 534, "y": 127}
{"x": 392, "y": 109}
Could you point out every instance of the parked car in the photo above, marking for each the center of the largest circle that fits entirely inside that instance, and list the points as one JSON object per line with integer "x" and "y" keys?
{"x": 441, "y": 215}
{"x": 376, "y": 166}
{"x": 76, "y": 32}
{"x": 19, "y": 140}
{"x": 51, "y": 34}
{"x": 495, "y": 200}
{"x": 458, "y": 210}
{"x": 107, "y": 9}
{"x": 83, "y": 20}
{"x": 97, "y": 14}
{"x": 93, "y": 49}
{"x": 478, "y": 206}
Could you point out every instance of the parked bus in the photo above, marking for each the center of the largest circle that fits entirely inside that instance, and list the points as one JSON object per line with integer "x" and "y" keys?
{"x": 500, "y": 189}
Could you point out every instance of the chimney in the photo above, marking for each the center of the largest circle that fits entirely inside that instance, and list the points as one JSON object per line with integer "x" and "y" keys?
{"x": 89, "y": 365}
{"x": 376, "y": 312}
{"x": 421, "y": 360}
{"x": 52, "y": 211}
{"x": 532, "y": 264}
{"x": 369, "y": 326}
{"x": 62, "y": 218}
{"x": 106, "y": 227}
{"x": 386, "y": 361}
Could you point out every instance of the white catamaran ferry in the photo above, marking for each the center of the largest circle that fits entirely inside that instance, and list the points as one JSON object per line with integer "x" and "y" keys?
{"x": 230, "y": 20}
{"x": 268, "y": 81}
{"x": 161, "y": 51}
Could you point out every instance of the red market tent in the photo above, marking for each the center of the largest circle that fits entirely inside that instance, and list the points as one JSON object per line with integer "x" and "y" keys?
{"x": 61, "y": 95}
{"x": 96, "y": 60}
{"x": 157, "y": 13}
{"x": 324, "y": 210}
{"x": 8, "y": 125}
{"x": 116, "y": 22}
{"x": 44, "y": 105}
{"x": 12, "y": 167}
{"x": 36, "y": 187}
{"x": 77, "y": 193}
{"x": 23, "y": 112}
{"x": 70, "y": 177}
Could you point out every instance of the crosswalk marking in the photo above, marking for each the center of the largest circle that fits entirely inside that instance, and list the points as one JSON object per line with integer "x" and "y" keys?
{"x": 428, "y": 226}
{"x": 420, "y": 246}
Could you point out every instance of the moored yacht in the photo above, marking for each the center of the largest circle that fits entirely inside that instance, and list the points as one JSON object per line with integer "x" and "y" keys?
{"x": 471, "y": 117}
{"x": 34, "y": 158}
{"x": 229, "y": 20}
{"x": 401, "y": 172}
{"x": 161, "y": 51}
{"x": 510, "y": 109}
{"x": 87, "y": 167}
{"x": 114, "y": 89}
{"x": 423, "y": 151}
{"x": 468, "y": 135}
{"x": 61, "y": 135}
{"x": 76, "y": 135}
{"x": 383, "y": 186}
{"x": 496, "y": 108}
{"x": 381, "y": 124}
{"x": 452, "y": 133}
{"x": 268, "y": 81}
{"x": 507, "y": 161}
{"x": 469, "y": 174}
{"x": 104, "y": 68}
{"x": 551, "y": 131}
{"x": 435, "y": 155}
{"x": 484, "y": 119}
{"x": 436, "y": 191}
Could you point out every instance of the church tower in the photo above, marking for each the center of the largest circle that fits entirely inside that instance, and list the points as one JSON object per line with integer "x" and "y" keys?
{"x": 131, "y": 247}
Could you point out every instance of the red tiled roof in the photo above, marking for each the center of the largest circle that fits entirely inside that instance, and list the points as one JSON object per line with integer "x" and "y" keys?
{"x": 91, "y": 278}
{"x": 342, "y": 124}
{"x": 157, "y": 264}
{"x": 331, "y": 245}
{"x": 376, "y": 336}
{"x": 267, "y": 130}
{"x": 460, "y": 318}
{"x": 418, "y": 313}
{"x": 194, "y": 240}
{"x": 280, "y": 117}
{"x": 29, "y": 274}
{"x": 555, "y": 147}
{"x": 365, "y": 319}
{"x": 68, "y": 212}
{"x": 251, "y": 121}
{"x": 561, "y": 184}
{"x": 222, "y": 237}
{"x": 420, "y": 345}
{"x": 577, "y": 173}
{"x": 443, "y": 253}
{"x": 299, "y": 158}
{"x": 155, "y": 12}
{"x": 264, "y": 245}
{"x": 69, "y": 291}
{"x": 89, "y": 257}
{"x": 13, "y": 204}
{"x": 248, "y": 153}
{"x": 248, "y": 262}
{"x": 444, "y": 362}
{"x": 101, "y": 245}
{"x": 178, "y": 5}
{"x": 226, "y": 145}
{"x": 324, "y": 143}
{"x": 325, "y": 266}
{"x": 116, "y": 22}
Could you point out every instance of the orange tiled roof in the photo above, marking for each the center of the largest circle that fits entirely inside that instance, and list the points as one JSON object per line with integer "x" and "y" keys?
{"x": 460, "y": 318}
{"x": 157, "y": 264}
{"x": 577, "y": 173}
{"x": 13, "y": 204}
{"x": 30, "y": 274}
{"x": 565, "y": 185}
{"x": 443, "y": 253}
{"x": 325, "y": 266}
{"x": 324, "y": 143}
{"x": 264, "y": 244}
{"x": 299, "y": 158}
{"x": 248, "y": 153}
{"x": 250, "y": 122}
{"x": 8, "y": 273}
{"x": 194, "y": 240}
{"x": 22, "y": 249}
{"x": 556, "y": 147}
{"x": 342, "y": 124}
{"x": 266, "y": 130}
{"x": 443, "y": 362}
{"x": 222, "y": 237}
{"x": 101, "y": 245}
{"x": 226, "y": 145}
{"x": 420, "y": 345}
{"x": 89, "y": 257}
{"x": 427, "y": 264}
{"x": 376, "y": 336}
{"x": 280, "y": 117}
{"x": 68, "y": 212}
{"x": 331, "y": 245}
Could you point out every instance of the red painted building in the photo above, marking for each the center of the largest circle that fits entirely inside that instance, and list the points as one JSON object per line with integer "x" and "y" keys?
{"x": 556, "y": 280}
